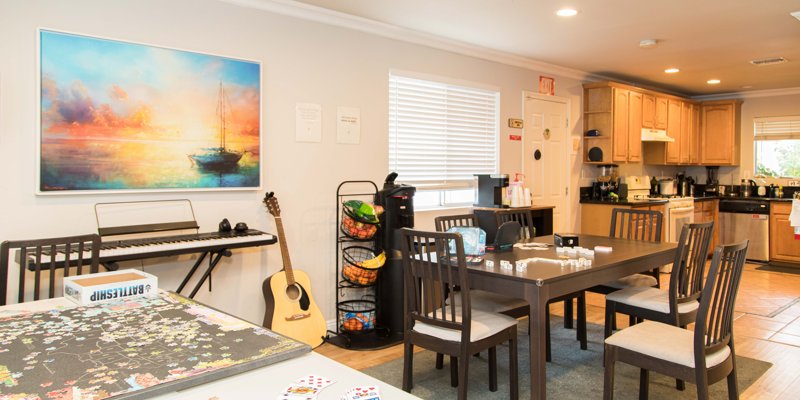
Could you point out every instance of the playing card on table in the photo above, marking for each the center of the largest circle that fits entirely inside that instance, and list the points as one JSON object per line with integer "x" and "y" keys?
{"x": 315, "y": 381}
{"x": 299, "y": 392}
{"x": 363, "y": 393}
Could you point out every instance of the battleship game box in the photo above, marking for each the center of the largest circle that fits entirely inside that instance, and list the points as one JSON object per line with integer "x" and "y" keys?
{"x": 95, "y": 288}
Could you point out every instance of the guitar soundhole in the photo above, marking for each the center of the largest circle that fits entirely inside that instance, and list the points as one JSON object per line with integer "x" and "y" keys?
{"x": 293, "y": 292}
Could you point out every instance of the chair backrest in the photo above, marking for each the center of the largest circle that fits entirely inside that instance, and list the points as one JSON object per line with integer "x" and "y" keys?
{"x": 524, "y": 217}
{"x": 432, "y": 269}
{"x": 714, "y": 324}
{"x": 45, "y": 257}
{"x": 634, "y": 224}
{"x": 446, "y": 222}
{"x": 686, "y": 279}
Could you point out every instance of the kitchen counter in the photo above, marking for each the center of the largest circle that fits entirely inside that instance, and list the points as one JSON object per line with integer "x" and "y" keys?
{"x": 706, "y": 198}
{"x": 627, "y": 202}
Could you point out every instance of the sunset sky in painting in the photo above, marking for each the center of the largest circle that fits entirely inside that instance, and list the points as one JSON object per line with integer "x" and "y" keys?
{"x": 126, "y": 116}
{"x": 94, "y": 87}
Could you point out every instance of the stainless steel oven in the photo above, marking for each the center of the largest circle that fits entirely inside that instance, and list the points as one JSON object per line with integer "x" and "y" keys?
{"x": 680, "y": 211}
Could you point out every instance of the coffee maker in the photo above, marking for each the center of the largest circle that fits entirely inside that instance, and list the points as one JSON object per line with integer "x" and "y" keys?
{"x": 712, "y": 181}
{"x": 490, "y": 190}
{"x": 607, "y": 181}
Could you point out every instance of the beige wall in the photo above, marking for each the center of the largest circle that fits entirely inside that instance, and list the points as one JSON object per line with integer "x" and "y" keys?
{"x": 302, "y": 61}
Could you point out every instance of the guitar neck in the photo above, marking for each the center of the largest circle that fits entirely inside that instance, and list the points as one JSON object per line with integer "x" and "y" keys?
{"x": 287, "y": 262}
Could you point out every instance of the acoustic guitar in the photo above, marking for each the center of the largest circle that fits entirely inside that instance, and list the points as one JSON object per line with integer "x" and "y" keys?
{"x": 291, "y": 310}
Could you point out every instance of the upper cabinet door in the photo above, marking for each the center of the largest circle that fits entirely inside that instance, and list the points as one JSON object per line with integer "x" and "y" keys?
{"x": 720, "y": 133}
{"x": 620, "y": 126}
{"x": 648, "y": 111}
{"x": 635, "y": 127}
{"x": 661, "y": 113}
{"x": 686, "y": 131}
{"x": 674, "y": 131}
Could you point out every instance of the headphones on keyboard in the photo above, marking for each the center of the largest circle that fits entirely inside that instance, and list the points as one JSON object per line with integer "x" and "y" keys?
{"x": 225, "y": 226}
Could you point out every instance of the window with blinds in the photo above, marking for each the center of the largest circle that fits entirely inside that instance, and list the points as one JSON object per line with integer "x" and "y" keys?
{"x": 777, "y": 146}
{"x": 440, "y": 135}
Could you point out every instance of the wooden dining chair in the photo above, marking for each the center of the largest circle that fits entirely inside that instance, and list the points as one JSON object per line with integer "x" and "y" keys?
{"x": 432, "y": 266}
{"x": 523, "y": 217}
{"x": 678, "y": 305}
{"x": 632, "y": 224}
{"x": 45, "y": 260}
{"x": 513, "y": 306}
{"x": 445, "y": 222}
{"x": 703, "y": 356}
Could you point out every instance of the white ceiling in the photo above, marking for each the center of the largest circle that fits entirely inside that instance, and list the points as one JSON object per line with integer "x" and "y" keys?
{"x": 706, "y": 39}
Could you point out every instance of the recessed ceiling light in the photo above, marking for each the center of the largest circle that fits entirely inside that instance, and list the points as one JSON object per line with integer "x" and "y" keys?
{"x": 567, "y": 12}
{"x": 713, "y": 81}
{"x": 672, "y": 70}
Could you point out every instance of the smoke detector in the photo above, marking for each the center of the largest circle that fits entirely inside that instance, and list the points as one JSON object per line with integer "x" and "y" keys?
{"x": 648, "y": 43}
{"x": 768, "y": 61}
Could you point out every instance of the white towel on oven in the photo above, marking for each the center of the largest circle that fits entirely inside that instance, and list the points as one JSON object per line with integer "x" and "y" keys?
{"x": 794, "y": 216}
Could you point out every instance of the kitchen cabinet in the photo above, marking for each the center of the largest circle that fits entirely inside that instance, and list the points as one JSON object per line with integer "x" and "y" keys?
{"x": 616, "y": 112}
{"x": 635, "y": 126}
{"x": 782, "y": 244}
{"x": 619, "y": 140}
{"x": 673, "y": 155}
{"x": 720, "y": 139}
{"x": 654, "y": 111}
{"x": 694, "y": 137}
{"x": 705, "y": 211}
{"x": 682, "y": 127}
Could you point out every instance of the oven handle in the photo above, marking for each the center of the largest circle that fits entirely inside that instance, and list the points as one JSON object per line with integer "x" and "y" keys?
{"x": 681, "y": 209}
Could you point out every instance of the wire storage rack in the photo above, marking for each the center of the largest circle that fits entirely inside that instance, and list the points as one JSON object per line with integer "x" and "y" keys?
{"x": 358, "y": 262}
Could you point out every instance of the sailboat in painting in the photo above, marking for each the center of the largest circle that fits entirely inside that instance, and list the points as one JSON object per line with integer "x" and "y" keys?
{"x": 218, "y": 158}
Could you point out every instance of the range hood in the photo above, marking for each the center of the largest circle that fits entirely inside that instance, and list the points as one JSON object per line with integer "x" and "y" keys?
{"x": 655, "y": 135}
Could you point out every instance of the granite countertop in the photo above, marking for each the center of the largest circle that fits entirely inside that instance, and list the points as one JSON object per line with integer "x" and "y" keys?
{"x": 628, "y": 202}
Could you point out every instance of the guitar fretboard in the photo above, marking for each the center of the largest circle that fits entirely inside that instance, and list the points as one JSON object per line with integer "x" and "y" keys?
{"x": 287, "y": 262}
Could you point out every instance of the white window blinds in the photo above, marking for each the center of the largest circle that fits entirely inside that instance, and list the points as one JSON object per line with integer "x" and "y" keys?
{"x": 441, "y": 134}
{"x": 777, "y": 128}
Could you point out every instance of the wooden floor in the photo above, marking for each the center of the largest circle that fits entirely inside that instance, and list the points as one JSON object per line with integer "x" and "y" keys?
{"x": 767, "y": 327}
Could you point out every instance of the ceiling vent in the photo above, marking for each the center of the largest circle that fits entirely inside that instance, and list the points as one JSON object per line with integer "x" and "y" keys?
{"x": 768, "y": 61}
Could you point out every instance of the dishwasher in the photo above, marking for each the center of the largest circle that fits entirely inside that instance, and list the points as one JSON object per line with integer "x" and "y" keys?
{"x": 742, "y": 219}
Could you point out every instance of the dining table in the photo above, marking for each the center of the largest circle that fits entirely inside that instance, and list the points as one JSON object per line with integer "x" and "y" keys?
{"x": 547, "y": 274}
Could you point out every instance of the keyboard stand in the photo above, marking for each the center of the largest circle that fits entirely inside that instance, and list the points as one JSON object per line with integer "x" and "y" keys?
{"x": 162, "y": 216}
{"x": 212, "y": 263}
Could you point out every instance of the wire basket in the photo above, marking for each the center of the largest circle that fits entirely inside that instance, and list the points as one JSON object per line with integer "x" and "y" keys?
{"x": 355, "y": 229}
{"x": 357, "y": 315}
{"x": 361, "y": 265}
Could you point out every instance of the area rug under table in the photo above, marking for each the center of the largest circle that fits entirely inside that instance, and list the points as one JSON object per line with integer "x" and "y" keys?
{"x": 573, "y": 374}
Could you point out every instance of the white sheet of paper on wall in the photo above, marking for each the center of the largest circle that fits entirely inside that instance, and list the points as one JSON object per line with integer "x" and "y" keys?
{"x": 348, "y": 125}
{"x": 308, "y": 122}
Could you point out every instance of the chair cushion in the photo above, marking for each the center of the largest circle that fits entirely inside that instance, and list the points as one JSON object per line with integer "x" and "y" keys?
{"x": 490, "y": 301}
{"x": 484, "y": 324}
{"x": 665, "y": 342}
{"x": 649, "y": 298}
{"x": 633, "y": 281}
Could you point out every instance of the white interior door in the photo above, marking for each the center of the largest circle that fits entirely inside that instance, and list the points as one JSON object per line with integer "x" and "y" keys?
{"x": 546, "y": 153}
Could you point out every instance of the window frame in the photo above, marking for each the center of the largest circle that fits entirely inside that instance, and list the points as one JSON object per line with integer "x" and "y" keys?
{"x": 447, "y": 187}
{"x": 774, "y": 129}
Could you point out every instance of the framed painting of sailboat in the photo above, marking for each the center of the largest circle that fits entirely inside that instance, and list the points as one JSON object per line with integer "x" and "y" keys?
{"x": 117, "y": 116}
